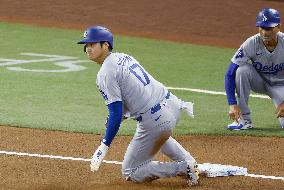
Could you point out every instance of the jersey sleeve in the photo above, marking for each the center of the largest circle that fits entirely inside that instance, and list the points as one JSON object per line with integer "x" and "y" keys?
{"x": 108, "y": 85}
{"x": 243, "y": 54}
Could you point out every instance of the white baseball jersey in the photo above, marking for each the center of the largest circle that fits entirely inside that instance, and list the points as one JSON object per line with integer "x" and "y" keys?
{"x": 122, "y": 78}
{"x": 270, "y": 65}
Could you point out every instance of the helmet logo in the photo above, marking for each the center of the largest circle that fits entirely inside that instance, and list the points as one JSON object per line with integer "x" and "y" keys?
{"x": 86, "y": 34}
{"x": 264, "y": 18}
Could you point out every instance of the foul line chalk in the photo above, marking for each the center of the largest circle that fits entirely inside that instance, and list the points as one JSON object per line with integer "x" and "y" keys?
{"x": 214, "y": 92}
{"x": 55, "y": 157}
{"x": 265, "y": 177}
{"x": 106, "y": 161}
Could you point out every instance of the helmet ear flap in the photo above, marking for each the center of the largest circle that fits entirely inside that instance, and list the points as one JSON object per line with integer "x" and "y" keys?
{"x": 85, "y": 48}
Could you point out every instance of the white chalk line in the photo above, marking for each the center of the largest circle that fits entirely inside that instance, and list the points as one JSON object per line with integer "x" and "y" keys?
{"x": 223, "y": 93}
{"x": 55, "y": 157}
{"x": 105, "y": 161}
{"x": 214, "y": 92}
{"x": 265, "y": 177}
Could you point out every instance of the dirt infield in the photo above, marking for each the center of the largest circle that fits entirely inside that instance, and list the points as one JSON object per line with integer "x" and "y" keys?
{"x": 261, "y": 156}
{"x": 224, "y": 23}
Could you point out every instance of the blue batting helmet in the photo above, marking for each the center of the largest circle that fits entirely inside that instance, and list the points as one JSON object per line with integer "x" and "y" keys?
{"x": 97, "y": 34}
{"x": 268, "y": 17}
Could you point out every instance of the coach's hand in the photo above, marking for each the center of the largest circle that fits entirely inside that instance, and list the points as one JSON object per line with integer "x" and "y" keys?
{"x": 98, "y": 157}
{"x": 280, "y": 110}
{"x": 234, "y": 112}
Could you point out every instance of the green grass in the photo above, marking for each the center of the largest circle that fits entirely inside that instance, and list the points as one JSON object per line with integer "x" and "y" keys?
{"x": 70, "y": 101}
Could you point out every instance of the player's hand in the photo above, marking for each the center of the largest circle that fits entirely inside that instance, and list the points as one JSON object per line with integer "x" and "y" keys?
{"x": 234, "y": 112}
{"x": 280, "y": 110}
{"x": 126, "y": 116}
{"x": 98, "y": 157}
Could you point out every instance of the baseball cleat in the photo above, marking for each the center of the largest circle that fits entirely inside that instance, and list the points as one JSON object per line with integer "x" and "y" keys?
{"x": 240, "y": 125}
{"x": 192, "y": 173}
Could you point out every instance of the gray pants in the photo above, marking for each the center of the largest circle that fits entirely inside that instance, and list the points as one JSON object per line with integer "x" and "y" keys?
{"x": 153, "y": 134}
{"x": 247, "y": 78}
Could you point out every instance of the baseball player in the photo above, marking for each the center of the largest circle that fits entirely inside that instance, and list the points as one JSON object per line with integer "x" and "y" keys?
{"x": 258, "y": 65}
{"x": 129, "y": 90}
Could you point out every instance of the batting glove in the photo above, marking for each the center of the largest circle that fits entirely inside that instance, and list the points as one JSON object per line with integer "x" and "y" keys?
{"x": 188, "y": 107}
{"x": 98, "y": 157}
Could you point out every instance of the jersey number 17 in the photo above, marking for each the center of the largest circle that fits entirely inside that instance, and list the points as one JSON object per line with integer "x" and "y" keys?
{"x": 139, "y": 73}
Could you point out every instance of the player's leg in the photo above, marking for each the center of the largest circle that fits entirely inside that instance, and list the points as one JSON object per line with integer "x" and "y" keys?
{"x": 277, "y": 96}
{"x": 175, "y": 151}
{"x": 248, "y": 79}
{"x": 151, "y": 134}
{"x": 171, "y": 147}
{"x": 138, "y": 164}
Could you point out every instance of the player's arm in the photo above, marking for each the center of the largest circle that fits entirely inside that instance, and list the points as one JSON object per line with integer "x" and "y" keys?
{"x": 230, "y": 86}
{"x": 113, "y": 124}
{"x": 114, "y": 120}
{"x": 242, "y": 56}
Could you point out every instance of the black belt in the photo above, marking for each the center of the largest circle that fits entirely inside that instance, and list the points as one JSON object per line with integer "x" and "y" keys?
{"x": 155, "y": 108}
